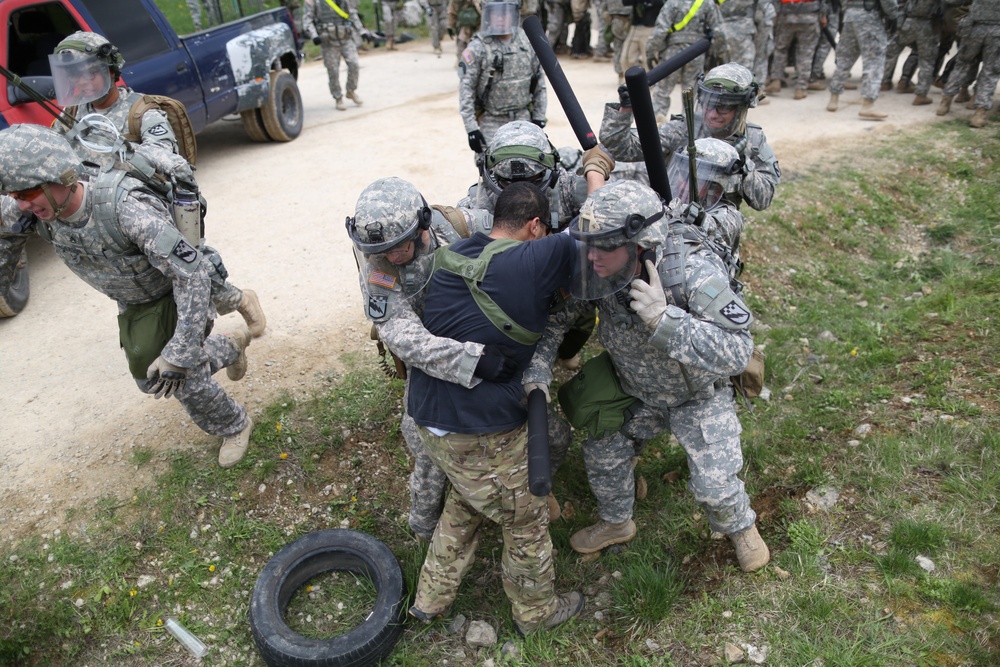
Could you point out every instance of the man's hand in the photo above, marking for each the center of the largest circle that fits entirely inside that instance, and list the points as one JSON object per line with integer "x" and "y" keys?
{"x": 624, "y": 98}
{"x": 477, "y": 142}
{"x": 531, "y": 386}
{"x": 167, "y": 379}
{"x": 497, "y": 364}
{"x": 598, "y": 159}
{"x": 649, "y": 301}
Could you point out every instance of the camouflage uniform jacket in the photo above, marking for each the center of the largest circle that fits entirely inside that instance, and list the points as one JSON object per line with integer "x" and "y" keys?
{"x": 691, "y": 352}
{"x": 319, "y": 17}
{"x": 759, "y": 181}
{"x": 565, "y": 199}
{"x": 399, "y": 304}
{"x": 497, "y": 77}
{"x": 673, "y": 12}
{"x": 137, "y": 258}
{"x": 890, "y": 8}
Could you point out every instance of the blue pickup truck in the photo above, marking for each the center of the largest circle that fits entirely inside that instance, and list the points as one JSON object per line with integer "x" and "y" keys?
{"x": 248, "y": 66}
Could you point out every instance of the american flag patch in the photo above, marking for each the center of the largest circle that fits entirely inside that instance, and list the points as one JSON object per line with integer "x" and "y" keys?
{"x": 381, "y": 278}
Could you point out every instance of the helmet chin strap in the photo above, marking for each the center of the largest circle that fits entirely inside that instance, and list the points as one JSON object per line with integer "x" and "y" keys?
{"x": 58, "y": 209}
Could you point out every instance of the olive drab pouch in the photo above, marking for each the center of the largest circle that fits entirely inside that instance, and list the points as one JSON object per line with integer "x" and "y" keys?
{"x": 468, "y": 17}
{"x": 593, "y": 400}
{"x": 143, "y": 331}
{"x": 177, "y": 116}
{"x": 750, "y": 382}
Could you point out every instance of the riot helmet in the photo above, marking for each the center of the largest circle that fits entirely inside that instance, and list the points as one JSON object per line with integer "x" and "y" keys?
{"x": 388, "y": 231}
{"x": 500, "y": 18}
{"x": 84, "y": 67}
{"x": 607, "y": 231}
{"x": 718, "y": 166}
{"x": 520, "y": 151}
{"x": 33, "y": 157}
{"x": 724, "y": 96}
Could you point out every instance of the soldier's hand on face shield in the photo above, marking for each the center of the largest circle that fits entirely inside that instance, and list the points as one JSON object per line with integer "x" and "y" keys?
{"x": 497, "y": 364}
{"x": 598, "y": 159}
{"x": 531, "y": 386}
{"x": 477, "y": 142}
{"x": 649, "y": 300}
{"x": 167, "y": 379}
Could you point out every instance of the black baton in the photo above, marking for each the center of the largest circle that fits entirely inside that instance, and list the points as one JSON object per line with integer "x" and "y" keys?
{"x": 677, "y": 61}
{"x": 539, "y": 468}
{"x": 645, "y": 126}
{"x": 560, "y": 85}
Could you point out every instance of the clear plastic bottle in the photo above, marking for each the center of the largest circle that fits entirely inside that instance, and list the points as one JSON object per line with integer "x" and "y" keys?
{"x": 184, "y": 636}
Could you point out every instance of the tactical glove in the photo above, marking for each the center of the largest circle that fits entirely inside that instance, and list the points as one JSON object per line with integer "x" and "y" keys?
{"x": 649, "y": 300}
{"x": 166, "y": 378}
{"x": 623, "y": 97}
{"x": 317, "y": 40}
{"x": 598, "y": 159}
{"x": 477, "y": 142}
{"x": 497, "y": 364}
{"x": 531, "y": 386}
{"x": 539, "y": 123}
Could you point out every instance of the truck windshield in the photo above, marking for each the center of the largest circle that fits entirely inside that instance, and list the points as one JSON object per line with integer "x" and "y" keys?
{"x": 130, "y": 28}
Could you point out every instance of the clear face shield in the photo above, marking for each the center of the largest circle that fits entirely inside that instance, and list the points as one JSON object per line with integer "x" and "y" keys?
{"x": 608, "y": 261}
{"x": 500, "y": 18}
{"x": 79, "y": 77}
{"x": 722, "y": 113}
{"x": 401, "y": 264}
{"x": 710, "y": 179}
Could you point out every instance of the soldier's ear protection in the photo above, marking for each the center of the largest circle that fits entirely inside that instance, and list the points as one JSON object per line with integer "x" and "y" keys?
{"x": 636, "y": 222}
{"x": 424, "y": 215}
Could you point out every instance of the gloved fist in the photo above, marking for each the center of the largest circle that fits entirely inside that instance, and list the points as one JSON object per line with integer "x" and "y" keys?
{"x": 648, "y": 299}
{"x": 497, "y": 364}
{"x": 531, "y": 386}
{"x": 539, "y": 123}
{"x": 624, "y": 98}
{"x": 477, "y": 142}
{"x": 598, "y": 159}
{"x": 167, "y": 379}
{"x": 317, "y": 40}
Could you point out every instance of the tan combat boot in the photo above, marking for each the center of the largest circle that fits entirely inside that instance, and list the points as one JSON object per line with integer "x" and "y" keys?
{"x": 905, "y": 87}
{"x": 390, "y": 44}
{"x": 945, "y": 106}
{"x": 555, "y": 511}
{"x": 602, "y": 534}
{"x": 751, "y": 551}
{"x": 963, "y": 95}
{"x": 773, "y": 86}
{"x": 340, "y": 104}
{"x": 241, "y": 339}
{"x": 868, "y": 112}
{"x": 252, "y": 313}
{"x": 886, "y": 86}
{"x": 568, "y": 605}
{"x": 832, "y": 104}
{"x": 817, "y": 85}
{"x": 921, "y": 100}
{"x": 800, "y": 94}
{"x": 353, "y": 96}
{"x": 234, "y": 447}
{"x": 979, "y": 118}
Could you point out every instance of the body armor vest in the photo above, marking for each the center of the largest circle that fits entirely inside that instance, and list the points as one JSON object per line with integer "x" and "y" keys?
{"x": 509, "y": 78}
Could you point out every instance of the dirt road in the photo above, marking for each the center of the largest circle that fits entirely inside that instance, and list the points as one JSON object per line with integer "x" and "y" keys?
{"x": 71, "y": 413}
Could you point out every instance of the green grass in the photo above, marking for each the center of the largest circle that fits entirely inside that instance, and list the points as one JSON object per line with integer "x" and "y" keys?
{"x": 878, "y": 283}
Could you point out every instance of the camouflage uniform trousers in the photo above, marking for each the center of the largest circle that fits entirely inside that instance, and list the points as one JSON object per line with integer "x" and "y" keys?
{"x": 12, "y": 257}
{"x": 686, "y": 76}
{"x": 338, "y": 42}
{"x": 559, "y": 16}
{"x": 204, "y": 399}
{"x": 980, "y": 41}
{"x": 428, "y": 482}
{"x": 709, "y": 431}
{"x": 919, "y": 35}
{"x": 633, "y": 49}
{"x": 489, "y": 477}
{"x": 823, "y": 48}
{"x": 390, "y": 18}
{"x": 803, "y": 29}
{"x": 739, "y": 41}
{"x": 619, "y": 31}
{"x": 763, "y": 39}
{"x": 863, "y": 36}
{"x": 437, "y": 22}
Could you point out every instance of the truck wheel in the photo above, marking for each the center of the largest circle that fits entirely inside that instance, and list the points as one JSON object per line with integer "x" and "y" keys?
{"x": 297, "y": 563}
{"x": 16, "y": 298}
{"x": 282, "y": 114}
{"x": 254, "y": 125}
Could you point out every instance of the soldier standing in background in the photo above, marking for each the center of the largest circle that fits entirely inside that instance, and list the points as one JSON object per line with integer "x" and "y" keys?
{"x": 738, "y": 32}
{"x": 981, "y": 40}
{"x": 865, "y": 35}
{"x": 798, "y": 22}
{"x": 679, "y": 24}
{"x": 764, "y": 18}
{"x": 390, "y": 21}
{"x": 500, "y": 78}
{"x": 464, "y": 17}
{"x": 918, "y": 33}
{"x": 644, "y": 14}
{"x": 437, "y": 22}
{"x": 334, "y": 27}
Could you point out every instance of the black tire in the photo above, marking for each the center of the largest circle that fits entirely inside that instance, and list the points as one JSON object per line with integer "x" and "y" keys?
{"x": 254, "y": 125}
{"x": 300, "y": 561}
{"x": 16, "y": 298}
{"x": 282, "y": 114}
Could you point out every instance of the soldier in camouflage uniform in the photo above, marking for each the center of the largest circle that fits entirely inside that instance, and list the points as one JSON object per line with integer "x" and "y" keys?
{"x": 725, "y": 95}
{"x": 863, "y": 35}
{"x": 617, "y": 20}
{"x": 797, "y": 22}
{"x": 335, "y": 29}
{"x": 391, "y": 11}
{"x": 558, "y": 14}
{"x": 500, "y": 78}
{"x": 679, "y": 24}
{"x": 738, "y": 32}
{"x": 395, "y": 235}
{"x": 674, "y": 350}
{"x": 764, "y": 18}
{"x": 136, "y": 256}
{"x": 464, "y": 17}
{"x": 918, "y": 33}
{"x": 478, "y": 436}
{"x": 981, "y": 40}
{"x": 437, "y": 22}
